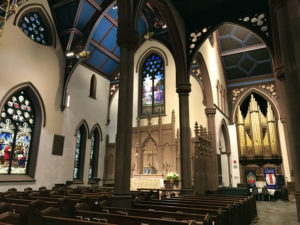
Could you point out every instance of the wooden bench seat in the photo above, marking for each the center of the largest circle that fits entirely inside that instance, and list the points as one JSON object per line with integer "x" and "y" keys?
{"x": 206, "y": 219}
{"x": 219, "y": 214}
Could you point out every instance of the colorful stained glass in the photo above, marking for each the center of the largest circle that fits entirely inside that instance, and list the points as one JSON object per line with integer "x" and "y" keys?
{"x": 77, "y": 155}
{"x": 34, "y": 27}
{"x": 153, "y": 82}
{"x": 16, "y": 128}
{"x": 92, "y": 156}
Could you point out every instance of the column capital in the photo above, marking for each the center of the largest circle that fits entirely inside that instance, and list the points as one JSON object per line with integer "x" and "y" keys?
{"x": 280, "y": 72}
{"x": 183, "y": 88}
{"x": 210, "y": 111}
{"x": 127, "y": 37}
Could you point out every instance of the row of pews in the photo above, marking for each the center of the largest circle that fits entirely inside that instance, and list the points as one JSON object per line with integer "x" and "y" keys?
{"x": 65, "y": 206}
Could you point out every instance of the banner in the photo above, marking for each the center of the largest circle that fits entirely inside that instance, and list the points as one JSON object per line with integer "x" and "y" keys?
{"x": 270, "y": 178}
{"x": 251, "y": 178}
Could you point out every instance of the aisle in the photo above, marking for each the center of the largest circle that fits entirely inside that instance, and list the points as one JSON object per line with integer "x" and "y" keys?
{"x": 276, "y": 213}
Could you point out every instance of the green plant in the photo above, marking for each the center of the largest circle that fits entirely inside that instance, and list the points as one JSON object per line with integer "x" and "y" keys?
{"x": 172, "y": 177}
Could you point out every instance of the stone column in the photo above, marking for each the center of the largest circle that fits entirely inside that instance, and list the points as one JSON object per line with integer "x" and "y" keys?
{"x": 285, "y": 20}
{"x": 127, "y": 40}
{"x": 211, "y": 113}
{"x": 183, "y": 91}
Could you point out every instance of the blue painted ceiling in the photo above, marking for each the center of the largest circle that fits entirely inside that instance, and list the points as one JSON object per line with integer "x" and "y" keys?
{"x": 91, "y": 25}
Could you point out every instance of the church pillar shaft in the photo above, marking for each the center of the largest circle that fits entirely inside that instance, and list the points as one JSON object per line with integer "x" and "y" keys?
{"x": 211, "y": 113}
{"x": 285, "y": 19}
{"x": 183, "y": 91}
{"x": 127, "y": 40}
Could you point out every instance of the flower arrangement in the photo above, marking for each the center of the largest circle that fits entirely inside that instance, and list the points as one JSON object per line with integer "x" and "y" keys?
{"x": 172, "y": 177}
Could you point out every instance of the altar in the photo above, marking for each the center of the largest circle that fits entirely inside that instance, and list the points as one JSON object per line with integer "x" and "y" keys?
{"x": 146, "y": 181}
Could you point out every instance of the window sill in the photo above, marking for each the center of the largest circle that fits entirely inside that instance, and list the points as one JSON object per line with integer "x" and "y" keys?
{"x": 16, "y": 178}
{"x": 93, "y": 97}
{"x": 152, "y": 116}
{"x": 77, "y": 182}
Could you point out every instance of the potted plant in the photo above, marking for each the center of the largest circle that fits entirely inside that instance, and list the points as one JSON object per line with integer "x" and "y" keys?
{"x": 173, "y": 178}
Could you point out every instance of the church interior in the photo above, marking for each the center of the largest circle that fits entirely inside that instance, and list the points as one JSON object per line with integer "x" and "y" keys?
{"x": 149, "y": 111}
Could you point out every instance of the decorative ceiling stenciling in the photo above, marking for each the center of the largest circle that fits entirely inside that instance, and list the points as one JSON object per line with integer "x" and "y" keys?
{"x": 196, "y": 73}
{"x": 114, "y": 85}
{"x": 257, "y": 22}
{"x": 269, "y": 88}
{"x": 243, "y": 53}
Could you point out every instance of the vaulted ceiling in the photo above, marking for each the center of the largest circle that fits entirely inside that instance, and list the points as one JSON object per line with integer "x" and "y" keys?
{"x": 93, "y": 24}
{"x": 244, "y": 55}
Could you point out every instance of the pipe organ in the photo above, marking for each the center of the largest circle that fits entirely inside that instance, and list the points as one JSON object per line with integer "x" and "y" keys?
{"x": 258, "y": 139}
{"x": 257, "y": 132}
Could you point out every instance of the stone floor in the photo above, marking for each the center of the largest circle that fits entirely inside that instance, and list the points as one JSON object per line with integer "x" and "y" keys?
{"x": 276, "y": 213}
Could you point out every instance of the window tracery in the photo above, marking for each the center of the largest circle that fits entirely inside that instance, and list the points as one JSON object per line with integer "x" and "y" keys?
{"x": 34, "y": 27}
{"x": 153, "y": 86}
{"x": 16, "y": 130}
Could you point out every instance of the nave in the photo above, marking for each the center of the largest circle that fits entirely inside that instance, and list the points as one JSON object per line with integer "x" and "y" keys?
{"x": 82, "y": 206}
{"x": 196, "y": 98}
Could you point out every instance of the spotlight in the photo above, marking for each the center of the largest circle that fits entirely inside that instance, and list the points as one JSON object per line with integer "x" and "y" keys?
{"x": 70, "y": 54}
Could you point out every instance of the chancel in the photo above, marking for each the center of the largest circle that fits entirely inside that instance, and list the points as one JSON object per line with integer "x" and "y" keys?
{"x": 149, "y": 112}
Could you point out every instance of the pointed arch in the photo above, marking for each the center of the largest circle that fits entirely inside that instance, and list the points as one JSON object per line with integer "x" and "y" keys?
{"x": 147, "y": 139}
{"x": 98, "y": 128}
{"x": 206, "y": 80}
{"x": 260, "y": 92}
{"x": 34, "y": 94}
{"x": 145, "y": 55}
{"x": 40, "y": 9}
{"x": 86, "y": 126}
{"x": 33, "y": 135}
{"x": 224, "y": 129}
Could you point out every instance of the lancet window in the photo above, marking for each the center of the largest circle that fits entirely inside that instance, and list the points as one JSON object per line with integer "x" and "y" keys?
{"x": 153, "y": 86}
{"x": 16, "y": 131}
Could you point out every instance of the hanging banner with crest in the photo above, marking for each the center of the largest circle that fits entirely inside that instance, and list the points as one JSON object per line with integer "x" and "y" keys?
{"x": 251, "y": 178}
{"x": 270, "y": 178}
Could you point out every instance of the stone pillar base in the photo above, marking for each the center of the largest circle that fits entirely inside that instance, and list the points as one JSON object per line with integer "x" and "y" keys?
{"x": 186, "y": 191}
{"x": 121, "y": 201}
{"x": 297, "y": 195}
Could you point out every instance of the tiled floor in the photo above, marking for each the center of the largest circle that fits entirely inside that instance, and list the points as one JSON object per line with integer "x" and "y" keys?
{"x": 276, "y": 213}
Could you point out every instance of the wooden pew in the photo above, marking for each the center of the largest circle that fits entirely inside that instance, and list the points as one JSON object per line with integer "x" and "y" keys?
{"x": 219, "y": 214}
{"x": 205, "y": 219}
{"x": 247, "y": 204}
{"x": 111, "y": 218}
{"x": 10, "y": 218}
{"x": 234, "y": 209}
{"x": 132, "y": 220}
{"x": 248, "y": 209}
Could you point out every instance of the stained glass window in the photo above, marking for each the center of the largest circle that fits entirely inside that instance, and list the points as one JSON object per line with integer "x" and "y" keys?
{"x": 16, "y": 130}
{"x": 77, "y": 155}
{"x": 153, "y": 85}
{"x": 34, "y": 27}
{"x": 94, "y": 154}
